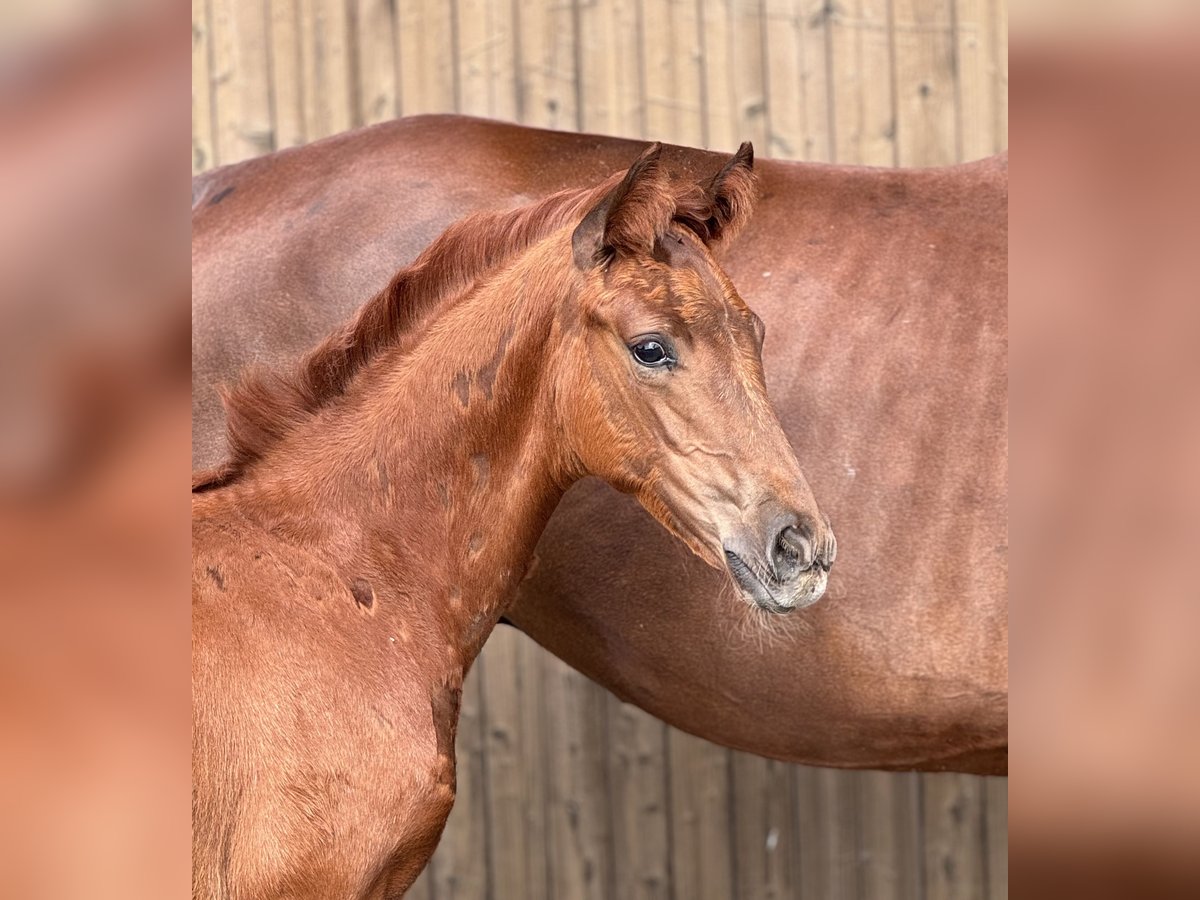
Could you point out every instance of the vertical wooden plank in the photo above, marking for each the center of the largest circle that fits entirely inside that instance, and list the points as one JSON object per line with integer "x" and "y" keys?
{"x": 861, "y": 52}
{"x": 203, "y": 146}
{"x": 953, "y": 829}
{"x": 473, "y": 36}
{"x": 597, "y": 67}
{"x": 515, "y": 764}
{"x": 849, "y": 88}
{"x": 460, "y": 870}
{"x": 579, "y": 838}
{"x": 977, "y": 73}
{"x": 721, "y": 119}
{"x": 611, "y": 71}
{"x": 926, "y": 121}
{"x": 428, "y": 71}
{"x": 691, "y": 87}
{"x": 240, "y": 79}
{"x": 325, "y": 63}
{"x": 659, "y": 73}
{"x": 826, "y": 802}
{"x": 748, "y": 86}
{"x": 547, "y": 64}
{"x": 815, "y": 79}
{"x": 785, "y": 94}
{"x": 310, "y": 74}
{"x": 766, "y": 839}
{"x": 637, "y": 783}
{"x": 889, "y": 835}
{"x": 698, "y": 784}
{"x": 287, "y": 76}
{"x": 797, "y": 79}
{"x": 999, "y": 32}
{"x": 534, "y": 662}
{"x": 502, "y": 75}
{"x": 997, "y": 838}
{"x": 674, "y": 75}
{"x": 375, "y": 69}
{"x": 690, "y": 90}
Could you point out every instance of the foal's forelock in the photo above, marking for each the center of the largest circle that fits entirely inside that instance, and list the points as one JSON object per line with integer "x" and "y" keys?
{"x": 263, "y": 406}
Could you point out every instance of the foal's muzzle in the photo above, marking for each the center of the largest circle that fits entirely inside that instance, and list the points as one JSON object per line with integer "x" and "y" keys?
{"x": 790, "y": 569}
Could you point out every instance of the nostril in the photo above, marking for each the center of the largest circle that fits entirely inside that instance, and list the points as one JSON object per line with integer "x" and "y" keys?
{"x": 793, "y": 551}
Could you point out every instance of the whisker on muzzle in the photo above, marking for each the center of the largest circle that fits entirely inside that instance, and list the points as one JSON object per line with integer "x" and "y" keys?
{"x": 752, "y": 626}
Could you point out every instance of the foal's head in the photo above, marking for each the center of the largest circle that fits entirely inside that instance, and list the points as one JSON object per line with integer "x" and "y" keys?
{"x": 662, "y": 390}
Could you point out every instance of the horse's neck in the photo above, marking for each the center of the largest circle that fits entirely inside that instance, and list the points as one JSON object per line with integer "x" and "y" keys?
{"x": 435, "y": 475}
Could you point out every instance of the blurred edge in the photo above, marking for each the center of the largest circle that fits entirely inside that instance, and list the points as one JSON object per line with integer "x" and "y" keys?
{"x": 1105, "y": 597}
{"x": 94, "y": 439}
{"x": 94, "y": 434}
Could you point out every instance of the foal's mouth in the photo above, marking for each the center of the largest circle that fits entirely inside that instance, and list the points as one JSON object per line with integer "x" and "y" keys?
{"x": 764, "y": 591}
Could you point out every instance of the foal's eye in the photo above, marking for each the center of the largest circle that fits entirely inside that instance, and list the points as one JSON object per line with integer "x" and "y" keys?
{"x": 651, "y": 353}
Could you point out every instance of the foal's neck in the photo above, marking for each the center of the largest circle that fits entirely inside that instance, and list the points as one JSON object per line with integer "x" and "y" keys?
{"x": 433, "y": 477}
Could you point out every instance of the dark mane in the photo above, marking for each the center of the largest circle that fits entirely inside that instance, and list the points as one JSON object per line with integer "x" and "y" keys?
{"x": 263, "y": 405}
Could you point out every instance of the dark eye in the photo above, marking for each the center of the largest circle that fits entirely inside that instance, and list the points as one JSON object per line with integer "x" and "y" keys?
{"x": 650, "y": 352}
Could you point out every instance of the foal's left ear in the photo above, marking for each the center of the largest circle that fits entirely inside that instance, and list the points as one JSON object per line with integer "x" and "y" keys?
{"x": 630, "y": 217}
{"x": 726, "y": 200}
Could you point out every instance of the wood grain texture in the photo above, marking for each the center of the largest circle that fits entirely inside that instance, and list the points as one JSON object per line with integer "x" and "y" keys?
{"x": 579, "y": 837}
{"x": 954, "y": 830}
{"x": 375, "y": 64}
{"x": 612, "y": 80}
{"x": 996, "y": 798}
{"x": 890, "y": 862}
{"x": 926, "y": 62}
{"x": 241, "y": 79}
{"x": 638, "y": 798}
{"x": 699, "y": 786}
{"x": 514, "y": 761}
{"x": 860, "y": 52}
{"x": 204, "y": 154}
{"x": 766, "y": 831}
{"x": 977, "y": 74}
{"x": 325, "y": 64}
{"x": 287, "y": 78}
{"x": 827, "y": 803}
{"x": 428, "y": 57}
{"x": 547, "y": 68}
{"x": 877, "y": 82}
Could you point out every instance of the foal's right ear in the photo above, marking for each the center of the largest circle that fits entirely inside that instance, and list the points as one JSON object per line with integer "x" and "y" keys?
{"x": 630, "y": 217}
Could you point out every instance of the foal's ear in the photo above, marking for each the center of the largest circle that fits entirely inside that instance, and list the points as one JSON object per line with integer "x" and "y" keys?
{"x": 630, "y": 217}
{"x": 726, "y": 200}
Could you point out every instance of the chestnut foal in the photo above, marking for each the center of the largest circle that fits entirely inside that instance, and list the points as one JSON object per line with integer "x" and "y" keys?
{"x": 382, "y": 504}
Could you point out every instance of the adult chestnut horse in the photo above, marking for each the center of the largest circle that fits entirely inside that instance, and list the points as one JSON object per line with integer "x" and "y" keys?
{"x": 381, "y": 504}
{"x": 884, "y": 296}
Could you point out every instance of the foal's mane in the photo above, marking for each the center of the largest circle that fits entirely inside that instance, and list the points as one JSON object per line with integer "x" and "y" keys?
{"x": 264, "y": 405}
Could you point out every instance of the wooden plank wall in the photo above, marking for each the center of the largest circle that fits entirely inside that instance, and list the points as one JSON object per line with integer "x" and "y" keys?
{"x": 878, "y": 82}
{"x": 565, "y": 792}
